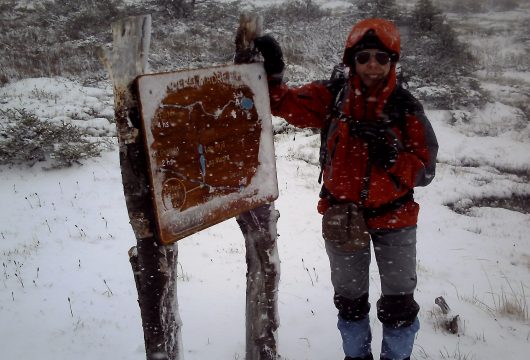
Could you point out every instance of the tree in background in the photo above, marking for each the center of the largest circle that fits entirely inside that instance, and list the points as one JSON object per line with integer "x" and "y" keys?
{"x": 433, "y": 56}
{"x": 426, "y": 16}
{"x": 429, "y": 23}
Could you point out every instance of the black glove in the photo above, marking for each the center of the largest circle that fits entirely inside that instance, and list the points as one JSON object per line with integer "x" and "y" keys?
{"x": 272, "y": 56}
{"x": 383, "y": 147}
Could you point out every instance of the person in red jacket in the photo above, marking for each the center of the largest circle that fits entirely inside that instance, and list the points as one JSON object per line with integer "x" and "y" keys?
{"x": 377, "y": 146}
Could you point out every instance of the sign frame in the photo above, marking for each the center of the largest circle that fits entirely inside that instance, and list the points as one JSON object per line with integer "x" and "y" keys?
{"x": 200, "y": 104}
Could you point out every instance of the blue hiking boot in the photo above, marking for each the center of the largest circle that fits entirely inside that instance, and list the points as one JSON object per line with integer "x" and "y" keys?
{"x": 398, "y": 342}
{"x": 367, "y": 357}
{"x": 356, "y": 338}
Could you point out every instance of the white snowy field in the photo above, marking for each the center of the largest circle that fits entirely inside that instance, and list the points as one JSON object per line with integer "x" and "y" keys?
{"x": 67, "y": 289}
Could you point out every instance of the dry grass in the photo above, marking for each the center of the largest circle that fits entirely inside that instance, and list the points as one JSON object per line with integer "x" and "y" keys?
{"x": 455, "y": 354}
{"x": 513, "y": 304}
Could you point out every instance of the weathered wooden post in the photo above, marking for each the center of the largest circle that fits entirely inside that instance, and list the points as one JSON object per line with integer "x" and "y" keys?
{"x": 154, "y": 265}
{"x": 259, "y": 229}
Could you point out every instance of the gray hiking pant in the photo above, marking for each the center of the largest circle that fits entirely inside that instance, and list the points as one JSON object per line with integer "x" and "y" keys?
{"x": 395, "y": 253}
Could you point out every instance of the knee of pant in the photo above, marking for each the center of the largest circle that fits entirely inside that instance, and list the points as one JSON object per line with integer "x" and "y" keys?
{"x": 397, "y": 310}
{"x": 352, "y": 310}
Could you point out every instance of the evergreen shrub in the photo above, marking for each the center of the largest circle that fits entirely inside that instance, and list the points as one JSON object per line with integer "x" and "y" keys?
{"x": 25, "y": 139}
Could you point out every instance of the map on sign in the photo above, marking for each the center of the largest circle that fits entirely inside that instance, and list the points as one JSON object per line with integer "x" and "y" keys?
{"x": 208, "y": 137}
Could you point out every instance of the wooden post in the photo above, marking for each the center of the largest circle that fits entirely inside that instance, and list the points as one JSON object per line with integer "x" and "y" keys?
{"x": 154, "y": 266}
{"x": 263, "y": 274}
{"x": 259, "y": 229}
{"x": 449, "y": 321}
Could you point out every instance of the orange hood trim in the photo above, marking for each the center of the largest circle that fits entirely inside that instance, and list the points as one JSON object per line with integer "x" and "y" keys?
{"x": 385, "y": 30}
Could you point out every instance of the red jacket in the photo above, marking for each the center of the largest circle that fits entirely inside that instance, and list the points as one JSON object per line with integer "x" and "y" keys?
{"x": 311, "y": 105}
{"x": 349, "y": 174}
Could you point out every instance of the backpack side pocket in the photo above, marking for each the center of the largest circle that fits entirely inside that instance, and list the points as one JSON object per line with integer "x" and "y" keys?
{"x": 344, "y": 228}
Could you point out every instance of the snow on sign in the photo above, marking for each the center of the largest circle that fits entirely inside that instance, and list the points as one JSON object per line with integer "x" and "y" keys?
{"x": 209, "y": 142}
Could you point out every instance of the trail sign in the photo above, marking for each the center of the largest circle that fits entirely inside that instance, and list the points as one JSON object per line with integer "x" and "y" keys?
{"x": 208, "y": 137}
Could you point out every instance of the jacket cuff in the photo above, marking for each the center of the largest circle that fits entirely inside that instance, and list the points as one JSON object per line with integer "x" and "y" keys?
{"x": 276, "y": 94}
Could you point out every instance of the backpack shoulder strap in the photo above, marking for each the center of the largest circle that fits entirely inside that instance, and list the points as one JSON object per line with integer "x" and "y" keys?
{"x": 337, "y": 86}
{"x": 407, "y": 103}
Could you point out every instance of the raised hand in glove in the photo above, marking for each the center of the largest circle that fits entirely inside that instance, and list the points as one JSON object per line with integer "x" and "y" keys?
{"x": 272, "y": 56}
{"x": 383, "y": 147}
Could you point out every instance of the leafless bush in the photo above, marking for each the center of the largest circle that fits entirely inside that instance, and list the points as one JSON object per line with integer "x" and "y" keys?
{"x": 56, "y": 37}
{"x": 312, "y": 45}
{"x": 61, "y": 37}
{"x": 315, "y": 46}
{"x": 475, "y": 6}
{"x": 294, "y": 10}
{"x": 3, "y": 80}
{"x": 176, "y": 8}
{"x": 90, "y": 20}
{"x": 505, "y": 5}
{"x": 386, "y": 9}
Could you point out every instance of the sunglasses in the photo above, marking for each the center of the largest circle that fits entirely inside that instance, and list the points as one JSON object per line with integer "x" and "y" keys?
{"x": 362, "y": 57}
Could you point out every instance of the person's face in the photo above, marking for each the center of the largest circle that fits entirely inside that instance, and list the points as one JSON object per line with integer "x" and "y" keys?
{"x": 374, "y": 68}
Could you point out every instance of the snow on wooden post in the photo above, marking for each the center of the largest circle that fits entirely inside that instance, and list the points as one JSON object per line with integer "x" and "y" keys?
{"x": 259, "y": 229}
{"x": 154, "y": 265}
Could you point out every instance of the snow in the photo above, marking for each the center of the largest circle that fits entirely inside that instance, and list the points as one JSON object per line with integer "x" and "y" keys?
{"x": 63, "y": 100}
{"x": 464, "y": 144}
{"x": 67, "y": 289}
{"x": 65, "y": 234}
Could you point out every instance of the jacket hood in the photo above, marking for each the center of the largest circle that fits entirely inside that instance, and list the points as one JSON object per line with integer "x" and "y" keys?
{"x": 384, "y": 30}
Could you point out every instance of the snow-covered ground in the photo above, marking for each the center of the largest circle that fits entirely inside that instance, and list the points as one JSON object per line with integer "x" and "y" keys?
{"x": 67, "y": 290}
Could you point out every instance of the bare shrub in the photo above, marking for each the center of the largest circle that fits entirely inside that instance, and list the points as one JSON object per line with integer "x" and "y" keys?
{"x": 465, "y": 6}
{"x": 477, "y": 6}
{"x": 294, "y": 10}
{"x": 90, "y": 20}
{"x": 3, "y": 80}
{"x": 387, "y": 9}
{"x": 56, "y": 37}
{"x": 505, "y": 5}
{"x": 60, "y": 38}
{"x": 312, "y": 44}
{"x": 176, "y": 8}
